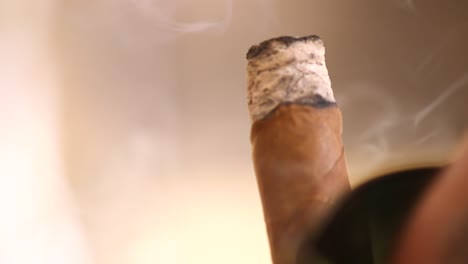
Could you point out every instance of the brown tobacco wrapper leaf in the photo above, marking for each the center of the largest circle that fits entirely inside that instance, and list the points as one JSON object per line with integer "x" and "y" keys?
{"x": 301, "y": 172}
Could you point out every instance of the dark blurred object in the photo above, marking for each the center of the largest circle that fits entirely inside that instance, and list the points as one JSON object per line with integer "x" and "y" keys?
{"x": 365, "y": 228}
{"x": 437, "y": 232}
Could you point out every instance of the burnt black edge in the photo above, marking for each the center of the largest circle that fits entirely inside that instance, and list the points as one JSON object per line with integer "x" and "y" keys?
{"x": 320, "y": 104}
{"x": 257, "y": 50}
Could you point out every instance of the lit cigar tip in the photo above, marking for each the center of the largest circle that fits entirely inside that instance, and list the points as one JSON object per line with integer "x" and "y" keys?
{"x": 264, "y": 46}
{"x": 286, "y": 70}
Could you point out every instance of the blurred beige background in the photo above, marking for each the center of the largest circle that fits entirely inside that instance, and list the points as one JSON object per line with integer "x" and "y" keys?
{"x": 125, "y": 132}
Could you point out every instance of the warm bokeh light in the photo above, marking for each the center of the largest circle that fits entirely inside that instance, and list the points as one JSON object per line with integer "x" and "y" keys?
{"x": 124, "y": 127}
{"x": 39, "y": 222}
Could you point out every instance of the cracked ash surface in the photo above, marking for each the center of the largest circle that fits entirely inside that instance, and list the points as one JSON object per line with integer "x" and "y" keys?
{"x": 287, "y": 70}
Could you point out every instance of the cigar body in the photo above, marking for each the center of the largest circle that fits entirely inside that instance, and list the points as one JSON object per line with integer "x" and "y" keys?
{"x": 301, "y": 172}
{"x": 298, "y": 152}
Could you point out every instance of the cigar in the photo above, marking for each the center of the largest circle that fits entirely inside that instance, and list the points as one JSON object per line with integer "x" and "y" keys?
{"x": 298, "y": 152}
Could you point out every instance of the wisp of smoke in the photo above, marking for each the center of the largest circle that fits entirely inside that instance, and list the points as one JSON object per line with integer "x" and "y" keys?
{"x": 373, "y": 143}
{"x": 389, "y": 131}
{"x": 455, "y": 86}
{"x": 437, "y": 49}
{"x": 407, "y": 5}
{"x": 165, "y": 17}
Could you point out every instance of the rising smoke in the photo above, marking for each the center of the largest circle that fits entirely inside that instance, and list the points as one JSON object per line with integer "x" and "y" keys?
{"x": 132, "y": 214}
